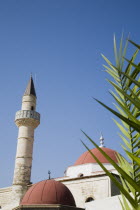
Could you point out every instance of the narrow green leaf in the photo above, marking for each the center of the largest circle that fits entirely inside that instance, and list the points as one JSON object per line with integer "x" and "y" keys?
{"x": 129, "y": 122}
{"x": 108, "y": 62}
{"x": 136, "y": 45}
{"x": 115, "y": 52}
{"x": 136, "y": 66}
{"x": 136, "y": 145}
{"x": 136, "y": 102}
{"x": 123, "y": 114}
{"x": 114, "y": 73}
{"x": 130, "y": 78}
{"x": 125, "y": 141}
{"x": 127, "y": 207}
{"x": 124, "y": 108}
{"x": 125, "y": 132}
{"x": 136, "y": 159}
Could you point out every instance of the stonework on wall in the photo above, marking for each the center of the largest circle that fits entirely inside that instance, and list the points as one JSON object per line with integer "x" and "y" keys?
{"x": 22, "y": 174}
{"x": 84, "y": 188}
{"x": 10, "y": 196}
{"x": 5, "y": 196}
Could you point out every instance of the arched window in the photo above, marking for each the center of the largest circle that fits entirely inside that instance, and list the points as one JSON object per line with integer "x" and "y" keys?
{"x": 80, "y": 175}
{"x": 32, "y": 107}
{"x": 89, "y": 199}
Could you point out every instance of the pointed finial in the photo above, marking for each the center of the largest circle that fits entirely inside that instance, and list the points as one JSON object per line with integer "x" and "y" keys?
{"x": 101, "y": 141}
{"x": 49, "y": 174}
{"x": 30, "y": 90}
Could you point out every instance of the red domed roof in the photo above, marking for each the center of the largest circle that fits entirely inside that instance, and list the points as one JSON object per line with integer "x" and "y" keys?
{"x": 48, "y": 192}
{"x": 87, "y": 157}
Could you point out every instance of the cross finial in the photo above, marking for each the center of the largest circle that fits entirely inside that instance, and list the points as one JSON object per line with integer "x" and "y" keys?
{"x": 101, "y": 141}
{"x": 49, "y": 174}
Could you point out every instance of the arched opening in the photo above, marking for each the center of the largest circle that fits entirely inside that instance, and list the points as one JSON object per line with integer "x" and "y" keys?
{"x": 89, "y": 199}
{"x": 81, "y": 175}
{"x": 32, "y": 108}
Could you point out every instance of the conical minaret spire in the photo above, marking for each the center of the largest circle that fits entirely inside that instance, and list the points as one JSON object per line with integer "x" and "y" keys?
{"x": 30, "y": 90}
{"x": 27, "y": 119}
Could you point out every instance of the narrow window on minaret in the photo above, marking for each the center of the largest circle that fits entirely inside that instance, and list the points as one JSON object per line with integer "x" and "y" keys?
{"x": 32, "y": 108}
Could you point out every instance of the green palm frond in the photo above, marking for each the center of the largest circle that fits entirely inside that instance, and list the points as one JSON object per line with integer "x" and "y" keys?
{"x": 126, "y": 84}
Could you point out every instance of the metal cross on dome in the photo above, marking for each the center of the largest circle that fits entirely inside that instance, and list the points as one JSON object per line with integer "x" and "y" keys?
{"x": 49, "y": 174}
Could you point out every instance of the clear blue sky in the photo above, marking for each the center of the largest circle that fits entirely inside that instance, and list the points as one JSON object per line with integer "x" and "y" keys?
{"x": 59, "y": 41}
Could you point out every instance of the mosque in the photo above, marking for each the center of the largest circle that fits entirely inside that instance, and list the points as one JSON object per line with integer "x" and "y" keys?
{"x": 83, "y": 186}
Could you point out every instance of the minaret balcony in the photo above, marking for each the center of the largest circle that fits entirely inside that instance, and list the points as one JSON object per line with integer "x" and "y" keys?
{"x": 27, "y": 117}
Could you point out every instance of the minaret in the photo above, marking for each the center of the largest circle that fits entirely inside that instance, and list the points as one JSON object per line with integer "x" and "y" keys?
{"x": 27, "y": 119}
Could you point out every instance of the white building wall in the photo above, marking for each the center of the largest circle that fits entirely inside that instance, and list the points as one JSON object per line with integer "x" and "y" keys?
{"x": 95, "y": 187}
{"x": 5, "y": 196}
{"x": 86, "y": 169}
{"x": 111, "y": 203}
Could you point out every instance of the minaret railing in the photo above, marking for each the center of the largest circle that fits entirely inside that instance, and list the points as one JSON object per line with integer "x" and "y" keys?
{"x": 27, "y": 114}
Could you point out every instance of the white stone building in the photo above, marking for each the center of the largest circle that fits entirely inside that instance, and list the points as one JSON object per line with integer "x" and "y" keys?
{"x": 87, "y": 182}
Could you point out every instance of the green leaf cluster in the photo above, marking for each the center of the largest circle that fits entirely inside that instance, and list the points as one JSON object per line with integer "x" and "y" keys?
{"x": 125, "y": 79}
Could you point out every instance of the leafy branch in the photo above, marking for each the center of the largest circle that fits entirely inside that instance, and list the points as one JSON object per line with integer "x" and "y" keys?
{"x": 126, "y": 84}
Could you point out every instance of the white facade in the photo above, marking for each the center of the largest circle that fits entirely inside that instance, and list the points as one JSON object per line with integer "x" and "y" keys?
{"x": 86, "y": 169}
{"x": 110, "y": 203}
{"x": 89, "y": 181}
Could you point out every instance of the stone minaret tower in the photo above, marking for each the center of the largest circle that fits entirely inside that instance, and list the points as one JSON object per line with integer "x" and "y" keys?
{"x": 27, "y": 119}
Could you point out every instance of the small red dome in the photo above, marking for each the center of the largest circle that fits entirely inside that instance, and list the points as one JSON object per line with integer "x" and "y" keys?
{"x": 48, "y": 192}
{"x": 87, "y": 157}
